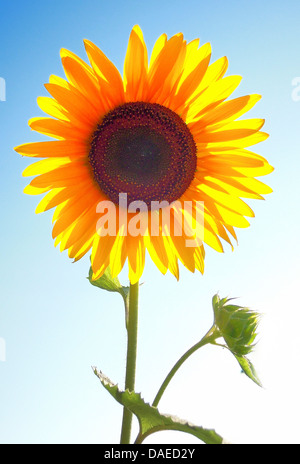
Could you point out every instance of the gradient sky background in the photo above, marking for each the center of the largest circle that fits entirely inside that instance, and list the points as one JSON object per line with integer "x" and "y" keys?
{"x": 56, "y": 325}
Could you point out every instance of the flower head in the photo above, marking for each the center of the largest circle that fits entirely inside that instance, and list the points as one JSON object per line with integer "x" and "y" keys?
{"x": 155, "y": 161}
{"x": 236, "y": 324}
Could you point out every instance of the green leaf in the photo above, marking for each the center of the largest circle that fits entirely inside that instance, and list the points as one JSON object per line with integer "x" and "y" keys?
{"x": 151, "y": 420}
{"x": 109, "y": 283}
{"x": 248, "y": 369}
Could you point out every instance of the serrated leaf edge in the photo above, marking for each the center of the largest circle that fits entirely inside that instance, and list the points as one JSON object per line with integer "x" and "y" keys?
{"x": 176, "y": 423}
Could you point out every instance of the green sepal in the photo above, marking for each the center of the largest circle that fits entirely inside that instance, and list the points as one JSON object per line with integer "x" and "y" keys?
{"x": 248, "y": 369}
{"x": 109, "y": 283}
{"x": 150, "y": 419}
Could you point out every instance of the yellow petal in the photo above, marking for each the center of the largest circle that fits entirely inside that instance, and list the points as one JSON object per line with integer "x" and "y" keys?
{"x": 100, "y": 254}
{"x": 57, "y": 80}
{"x": 136, "y": 257}
{"x": 172, "y": 258}
{"x": 106, "y": 73}
{"x": 214, "y": 73}
{"x": 53, "y": 108}
{"x": 157, "y": 252}
{"x": 80, "y": 248}
{"x": 58, "y": 129}
{"x": 226, "y": 142}
{"x": 228, "y": 201}
{"x": 57, "y": 149}
{"x": 199, "y": 259}
{"x": 224, "y": 113}
{"x": 136, "y": 67}
{"x": 45, "y": 165}
{"x": 212, "y": 96}
{"x": 192, "y": 74}
{"x": 83, "y": 79}
{"x": 166, "y": 70}
{"x": 31, "y": 190}
{"x": 52, "y": 199}
{"x": 118, "y": 254}
{"x": 75, "y": 104}
{"x": 158, "y": 46}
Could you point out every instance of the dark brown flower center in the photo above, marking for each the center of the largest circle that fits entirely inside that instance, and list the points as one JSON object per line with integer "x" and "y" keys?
{"x": 145, "y": 150}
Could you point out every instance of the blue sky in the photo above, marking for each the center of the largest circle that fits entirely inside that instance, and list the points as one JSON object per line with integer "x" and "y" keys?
{"x": 56, "y": 326}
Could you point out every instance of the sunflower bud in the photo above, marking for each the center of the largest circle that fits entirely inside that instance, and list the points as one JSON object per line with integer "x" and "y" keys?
{"x": 236, "y": 324}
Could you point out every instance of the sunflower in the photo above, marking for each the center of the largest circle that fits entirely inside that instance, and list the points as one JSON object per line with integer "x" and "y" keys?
{"x": 130, "y": 149}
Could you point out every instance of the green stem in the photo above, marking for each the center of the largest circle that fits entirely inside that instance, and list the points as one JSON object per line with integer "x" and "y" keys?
{"x": 208, "y": 338}
{"x": 132, "y": 330}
